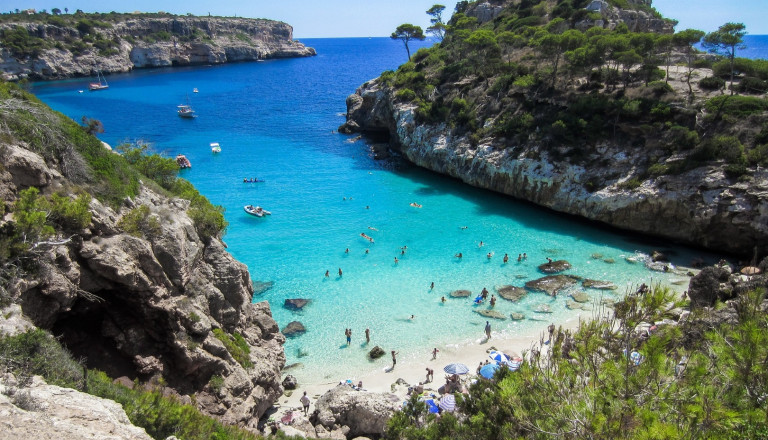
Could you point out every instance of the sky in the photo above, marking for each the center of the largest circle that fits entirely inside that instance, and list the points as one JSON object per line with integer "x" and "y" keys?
{"x": 379, "y": 18}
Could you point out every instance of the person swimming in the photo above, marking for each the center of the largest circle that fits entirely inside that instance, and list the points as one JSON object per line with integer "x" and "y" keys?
{"x": 458, "y": 255}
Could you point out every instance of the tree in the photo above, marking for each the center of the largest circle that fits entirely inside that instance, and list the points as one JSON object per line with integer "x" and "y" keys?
{"x": 725, "y": 40}
{"x": 92, "y": 126}
{"x": 684, "y": 41}
{"x": 438, "y": 27}
{"x": 55, "y": 11}
{"x": 407, "y": 32}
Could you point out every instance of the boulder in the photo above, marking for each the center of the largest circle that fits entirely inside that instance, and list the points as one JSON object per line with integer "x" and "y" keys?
{"x": 512, "y": 293}
{"x": 573, "y": 305}
{"x": 290, "y": 382}
{"x": 517, "y": 316}
{"x": 551, "y": 284}
{"x": 460, "y": 293}
{"x": 294, "y": 328}
{"x": 491, "y": 314}
{"x": 659, "y": 256}
{"x": 365, "y": 413}
{"x": 601, "y": 285}
{"x": 542, "y": 308}
{"x": 709, "y": 285}
{"x": 295, "y": 303}
{"x": 555, "y": 266}
{"x": 580, "y": 297}
{"x": 376, "y": 352}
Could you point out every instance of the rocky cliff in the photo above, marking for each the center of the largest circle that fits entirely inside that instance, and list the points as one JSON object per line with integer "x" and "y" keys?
{"x": 169, "y": 308}
{"x": 701, "y": 207}
{"x": 128, "y": 42}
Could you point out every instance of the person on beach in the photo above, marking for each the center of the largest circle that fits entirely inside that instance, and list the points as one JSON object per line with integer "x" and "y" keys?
{"x": 488, "y": 329}
{"x": 506, "y": 258}
{"x": 484, "y": 293}
{"x": 394, "y": 358}
{"x": 305, "y": 403}
{"x": 479, "y": 367}
{"x": 430, "y": 375}
{"x": 367, "y": 335}
{"x": 435, "y": 351}
{"x": 549, "y": 261}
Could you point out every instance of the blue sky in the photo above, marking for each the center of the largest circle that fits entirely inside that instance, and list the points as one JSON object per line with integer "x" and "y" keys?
{"x": 378, "y": 18}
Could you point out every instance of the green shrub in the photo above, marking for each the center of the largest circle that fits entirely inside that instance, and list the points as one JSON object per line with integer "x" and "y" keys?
{"x": 72, "y": 215}
{"x": 236, "y": 346}
{"x": 36, "y": 352}
{"x": 21, "y": 44}
{"x": 735, "y": 105}
{"x": 631, "y": 184}
{"x": 758, "y": 155}
{"x": 406, "y": 95}
{"x": 216, "y": 383}
{"x": 730, "y": 149}
{"x": 139, "y": 222}
{"x": 752, "y": 85}
{"x": 658, "y": 169}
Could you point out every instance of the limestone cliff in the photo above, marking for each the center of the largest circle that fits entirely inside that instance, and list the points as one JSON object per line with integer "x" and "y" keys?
{"x": 128, "y": 42}
{"x": 160, "y": 308}
{"x": 701, "y": 207}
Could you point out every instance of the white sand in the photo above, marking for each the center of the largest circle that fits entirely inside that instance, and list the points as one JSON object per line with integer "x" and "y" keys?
{"x": 414, "y": 371}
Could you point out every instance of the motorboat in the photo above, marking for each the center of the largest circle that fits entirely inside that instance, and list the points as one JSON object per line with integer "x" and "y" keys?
{"x": 185, "y": 110}
{"x": 258, "y": 211}
{"x": 215, "y": 147}
{"x": 194, "y": 90}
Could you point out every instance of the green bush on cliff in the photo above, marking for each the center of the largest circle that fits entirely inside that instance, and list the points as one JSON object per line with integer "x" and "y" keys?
{"x": 36, "y": 352}
{"x": 139, "y": 222}
{"x": 236, "y": 346}
{"x": 21, "y": 44}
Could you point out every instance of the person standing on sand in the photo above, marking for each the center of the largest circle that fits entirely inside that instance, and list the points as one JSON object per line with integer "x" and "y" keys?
{"x": 394, "y": 358}
{"x": 430, "y": 375}
{"x": 551, "y": 330}
{"x": 367, "y": 335}
{"x": 488, "y": 329}
{"x": 435, "y": 351}
{"x": 305, "y": 403}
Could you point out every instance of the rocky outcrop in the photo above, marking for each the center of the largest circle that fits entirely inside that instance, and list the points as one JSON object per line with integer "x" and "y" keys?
{"x": 364, "y": 413}
{"x": 47, "y": 411}
{"x": 721, "y": 283}
{"x": 552, "y": 284}
{"x": 142, "y": 41}
{"x": 158, "y": 309}
{"x": 700, "y": 206}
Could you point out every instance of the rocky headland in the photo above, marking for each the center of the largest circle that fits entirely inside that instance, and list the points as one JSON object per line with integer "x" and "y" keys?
{"x": 113, "y": 43}
{"x": 500, "y": 131}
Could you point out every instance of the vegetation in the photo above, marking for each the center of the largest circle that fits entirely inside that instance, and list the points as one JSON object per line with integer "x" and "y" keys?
{"x": 726, "y": 40}
{"x": 407, "y": 32}
{"x": 38, "y": 353}
{"x": 608, "y": 380}
{"x": 236, "y": 346}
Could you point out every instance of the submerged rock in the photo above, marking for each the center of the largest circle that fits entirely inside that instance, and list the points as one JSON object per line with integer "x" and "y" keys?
{"x": 376, "y": 352}
{"x": 491, "y": 314}
{"x": 580, "y": 297}
{"x": 512, "y": 293}
{"x": 552, "y": 284}
{"x": 573, "y": 305}
{"x": 555, "y": 266}
{"x": 296, "y": 303}
{"x": 294, "y": 328}
{"x": 517, "y": 316}
{"x": 542, "y": 308}
{"x": 602, "y": 285}
{"x": 460, "y": 293}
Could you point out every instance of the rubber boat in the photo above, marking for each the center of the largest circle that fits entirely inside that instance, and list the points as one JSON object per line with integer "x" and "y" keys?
{"x": 183, "y": 162}
{"x": 258, "y": 211}
{"x": 215, "y": 147}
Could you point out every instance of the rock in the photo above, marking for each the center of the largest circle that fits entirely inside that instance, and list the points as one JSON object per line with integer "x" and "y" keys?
{"x": 460, "y": 293}
{"x": 290, "y": 382}
{"x": 608, "y": 260}
{"x": 376, "y": 352}
{"x": 580, "y": 297}
{"x": 601, "y": 285}
{"x": 491, "y": 314}
{"x": 542, "y": 308}
{"x": 295, "y": 303}
{"x": 596, "y": 256}
{"x": 26, "y": 167}
{"x": 294, "y": 328}
{"x": 517, "y": 316}
{"x": 552, "y": 284}
{"x": 47, "y": 411}
{"x": 659, "y": 256}
{"x": 365, "y": 413}
{"x": 555, "y": 266}
{"x": 512, "y": 293}
{"x": 573, "y": 305}
{"x": 709, "y": 285}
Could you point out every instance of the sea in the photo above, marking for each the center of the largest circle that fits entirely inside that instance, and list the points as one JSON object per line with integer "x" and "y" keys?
{"x": 276, "y": 121}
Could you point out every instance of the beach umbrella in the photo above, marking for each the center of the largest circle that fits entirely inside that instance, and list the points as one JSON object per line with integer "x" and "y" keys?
{"x": 498, "y": 356}
{"x": 488, "y": 370}
{"x": 514, "y": 364}
{"x": 456, "y": 368}
{"x": 448, "y": 403}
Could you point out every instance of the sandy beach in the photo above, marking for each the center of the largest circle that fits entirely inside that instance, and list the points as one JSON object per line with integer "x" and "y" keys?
{"x": 414, "y": 371}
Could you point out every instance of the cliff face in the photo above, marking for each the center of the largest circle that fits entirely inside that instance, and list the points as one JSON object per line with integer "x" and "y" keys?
{"x": 146, "y": 307}
{"x": 136, "y": 43}
{"x": 701, "y": 207}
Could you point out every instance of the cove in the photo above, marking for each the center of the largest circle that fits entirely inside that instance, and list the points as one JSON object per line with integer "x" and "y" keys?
{"x": 276, "y": 121}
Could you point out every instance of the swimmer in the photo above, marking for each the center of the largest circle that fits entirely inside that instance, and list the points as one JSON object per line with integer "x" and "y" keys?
{"x": 346, "y": 251}
{"x": 464, "y": 227}
{"x": 493, "y": 300}
{"x": 549, "y": 261}
{"x": 458, "y": 255}
{"x": 481, "y": 244}
{"x": 519, "y": 257}
{"x": 396, "y": 260}
{"x": 432, "y": 285}
{"x": 367, "y": 207}
{"x": 402, "y": 252}
{"x": 366, "y": 251}
{"x": 490, "y": 254}
{"x": 372, "y": 228}
{"x": 506, "y": 258}
{"x": 327, "y": 273}
{"x": 442, "y": 299}
{"x": 412, "y": 316}
{"x": 340, "y": 272}
{"x": 525, "y": 256}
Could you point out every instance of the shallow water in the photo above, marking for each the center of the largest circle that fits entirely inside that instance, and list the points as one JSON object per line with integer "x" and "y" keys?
{"x": 274, "y": 120}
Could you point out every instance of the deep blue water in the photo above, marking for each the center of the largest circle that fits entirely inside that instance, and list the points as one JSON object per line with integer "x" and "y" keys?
{"x": 275, "y": 120}
{"x": 756, "y": 47}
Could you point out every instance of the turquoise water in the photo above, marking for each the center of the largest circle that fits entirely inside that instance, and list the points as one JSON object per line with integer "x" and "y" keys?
{"x": 274, "y": 120}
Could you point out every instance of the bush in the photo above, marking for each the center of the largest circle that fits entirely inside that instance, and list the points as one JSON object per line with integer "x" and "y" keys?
{"x": 21, "y": 44}
{"x": 735, "y": 105}
{"x": 406, "y": 95}
{"x": 139, "y": 222}
{"x": 36, "y": 352}
{"x": 711, "y": 83}
{"x": 658, "y": 169}
{"x": 72, "y": 215}
{"x": 758, "y": 155}
{"x": 752, "y": 85}
{"x": 236, "y": 346}
{"x": 631, "y": 184}
{"x": 730, "y": 149}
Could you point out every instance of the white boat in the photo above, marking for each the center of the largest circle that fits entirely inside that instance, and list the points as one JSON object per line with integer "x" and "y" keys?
{"x": 258, "y": 211}
{"x": 215, "y": 147}
{"x": 101, "y": 85}
{"x": 194, "y": 90}
{"x": 185, "y": 110}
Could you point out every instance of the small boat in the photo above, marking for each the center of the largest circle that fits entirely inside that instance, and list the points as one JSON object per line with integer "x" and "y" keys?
{"x": 258, "y": 211}
{"x": 185, "y": 110}
{"x": 183, "y": 162}
{"x": 215, "y": 147}
{"x": 101, "y": 85}
{"x": 254, "y": 180}
{"x": 415, "y": 205}
{"x": 194, "y": 90}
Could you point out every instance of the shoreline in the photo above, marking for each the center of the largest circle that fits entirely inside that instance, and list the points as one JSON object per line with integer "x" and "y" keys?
{"x": 413, "y": 372}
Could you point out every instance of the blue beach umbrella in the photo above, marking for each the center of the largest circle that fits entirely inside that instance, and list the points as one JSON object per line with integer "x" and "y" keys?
{"x": 514, "y": 364}
{"x": 456, "y": 368}
{"x": 498, "y": 356}
{"x": 488, "y": 370}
